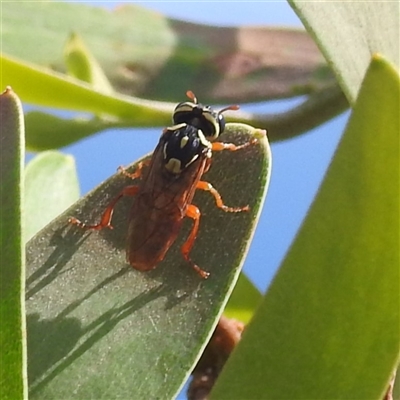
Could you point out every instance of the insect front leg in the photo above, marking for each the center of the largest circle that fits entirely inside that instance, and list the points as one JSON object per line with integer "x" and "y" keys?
{"x": 203, "y": 185}
{"x": 138, "y": 171}
{"x": 105, "y": 221}
{"x": 219, "y": 146}
{"x": 194, "y": 213}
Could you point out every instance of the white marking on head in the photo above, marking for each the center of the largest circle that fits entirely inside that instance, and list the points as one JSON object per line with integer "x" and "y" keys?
{"x": 207, "y": 114}
{"x": 185, "y": 107}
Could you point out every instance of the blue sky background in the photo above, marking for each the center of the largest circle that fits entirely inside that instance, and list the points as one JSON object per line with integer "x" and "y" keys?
{"x": 298, "y": 164}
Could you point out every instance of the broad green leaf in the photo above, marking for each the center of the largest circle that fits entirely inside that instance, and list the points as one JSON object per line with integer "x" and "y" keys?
{"x": 349, "y": 32}
{"x": 51, "y": 186}
{"x": 396, "y": 389}
{"x": 13, "y": 382}
{"x": 142, "y": 51}
{"x": 328, "y": 327}
{"x": 82, "y": 65}
{"x": 98, "y": 328}
{"x": 243, "y": 301}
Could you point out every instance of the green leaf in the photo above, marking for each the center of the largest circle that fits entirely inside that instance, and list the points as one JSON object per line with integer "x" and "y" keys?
{"x": 51, "y": 186}
{"x": 83, "y": 65}
{"x": 100, "y": 329}
{"x": 46, "y": 131}
{"x": 244, "y": 300}
{"x": 37, "y": 85}
{"x": 13, "y": 383}
{"x": 145, "y": 53}
{"x": 328, "y": 327}
{"x": 349, "y": 32}
{"x": 142, "y": 51}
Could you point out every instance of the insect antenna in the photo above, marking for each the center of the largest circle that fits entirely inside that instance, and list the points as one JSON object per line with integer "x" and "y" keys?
{"x": 233, "y": 107}
{"x": 192, "y": 96}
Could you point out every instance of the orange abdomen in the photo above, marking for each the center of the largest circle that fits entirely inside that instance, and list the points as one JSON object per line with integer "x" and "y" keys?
{"x": 153, "y": 228}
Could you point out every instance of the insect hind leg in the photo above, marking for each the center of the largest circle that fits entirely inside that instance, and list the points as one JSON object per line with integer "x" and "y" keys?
{"x": 203, "y": 185}
{"x": 194, "y": 213}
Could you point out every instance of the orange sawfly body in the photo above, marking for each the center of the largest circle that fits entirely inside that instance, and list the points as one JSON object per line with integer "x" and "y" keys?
{"x": 163, "y": 197}
{"x": 163, "y": 201}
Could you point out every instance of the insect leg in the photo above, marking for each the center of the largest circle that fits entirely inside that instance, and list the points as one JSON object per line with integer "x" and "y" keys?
{"x": 137, "y": 173}
{"x": 105, "y": 221}
{"x": 203, "y": 185}
{"x": 219, "y": 146}
{"x": 194, "y": 213}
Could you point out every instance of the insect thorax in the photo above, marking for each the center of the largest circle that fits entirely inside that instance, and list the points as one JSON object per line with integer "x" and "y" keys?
{"x": 183, "y": 145}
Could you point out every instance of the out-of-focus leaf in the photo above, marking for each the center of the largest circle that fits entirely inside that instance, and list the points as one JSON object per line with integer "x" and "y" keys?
{"x": 51, "y": 186}
{"x": 100, "y": 329}
{"x": 396, "y": 389}
{"x": 47, "y": 131}
{"x": 44, "y": 131}
{"x": 38, "y": 85}
{"x": 328, "y": 327}
{"x": 144, "y": 53}
{"x": 13, "y": 382}
{"x": 140, "y": 47}
{"x": 349, "y": 32}
{"x": 244, "y": 300}
{"x": 82, "y": 65}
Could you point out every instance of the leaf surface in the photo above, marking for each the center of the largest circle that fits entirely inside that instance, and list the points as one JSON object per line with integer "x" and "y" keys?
{"x": 348, "y": 33}
{"x": 328, "y": 327}
{"x": 100, "y": 329}
{"x": 51, "y": 186}
{"x": 145, "y": 53}
{"x": 13, "y": 381}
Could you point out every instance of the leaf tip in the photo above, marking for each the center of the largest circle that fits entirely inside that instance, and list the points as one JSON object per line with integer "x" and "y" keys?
{"x": 8, "y": 90}
{"x": 260, "y": 133}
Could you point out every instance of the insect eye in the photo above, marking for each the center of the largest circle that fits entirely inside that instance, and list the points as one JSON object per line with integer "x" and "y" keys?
{"x": 221, "y": 123}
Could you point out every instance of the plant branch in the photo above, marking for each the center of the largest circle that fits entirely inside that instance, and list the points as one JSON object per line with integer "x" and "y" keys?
{"x": 318, "y": 108}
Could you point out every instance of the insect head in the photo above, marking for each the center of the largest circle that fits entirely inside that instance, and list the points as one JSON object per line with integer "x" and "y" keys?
{"x": 203, "y": 117}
